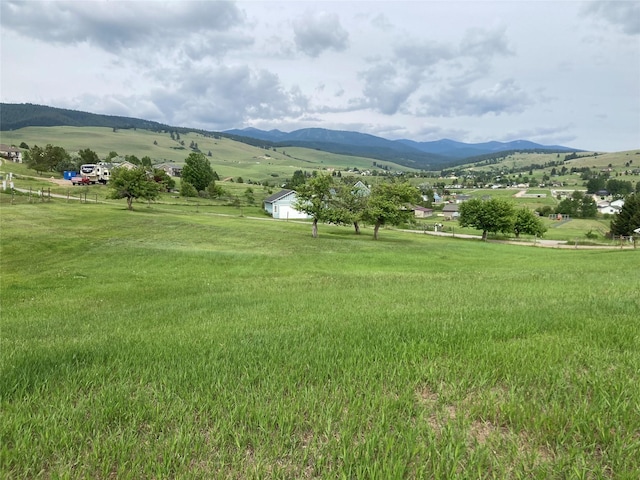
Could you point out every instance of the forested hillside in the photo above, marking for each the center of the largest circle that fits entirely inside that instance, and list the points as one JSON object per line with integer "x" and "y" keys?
{"x": 14, "y": 116}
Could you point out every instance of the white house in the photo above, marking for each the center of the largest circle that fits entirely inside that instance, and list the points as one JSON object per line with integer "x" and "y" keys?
{"x": 610, "y": 209}
{"x": 280, "y": 205}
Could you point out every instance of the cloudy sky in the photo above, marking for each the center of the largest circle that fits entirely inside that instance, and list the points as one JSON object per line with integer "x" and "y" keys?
{"x": 553, "y": 72}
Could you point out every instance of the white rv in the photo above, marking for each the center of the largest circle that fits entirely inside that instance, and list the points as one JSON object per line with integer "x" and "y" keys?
{"x": 96, "y": 172}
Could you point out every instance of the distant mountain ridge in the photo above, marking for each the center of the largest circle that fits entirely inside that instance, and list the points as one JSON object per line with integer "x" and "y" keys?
{"x": 419, "y": 155}
{"x": 451, "y": 148}
{"x": 440, "y": 151}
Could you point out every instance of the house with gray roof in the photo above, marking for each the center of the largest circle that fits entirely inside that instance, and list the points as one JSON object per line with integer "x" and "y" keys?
{"x": 281, "y": 205}
{"x": 171, "y": 169}
{"x": 451, "y": 211}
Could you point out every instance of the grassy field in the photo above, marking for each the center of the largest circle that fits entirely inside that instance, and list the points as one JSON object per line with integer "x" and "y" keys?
{"x": 156, "y": 344}
{"x": 229, "y": 158}
{"x": 235, "y": 202}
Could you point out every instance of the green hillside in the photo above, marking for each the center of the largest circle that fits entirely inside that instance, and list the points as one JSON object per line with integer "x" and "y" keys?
{"x": 229, "y": 158}
{"x": 19, "y": 115}
{"x": 623, "y": 165}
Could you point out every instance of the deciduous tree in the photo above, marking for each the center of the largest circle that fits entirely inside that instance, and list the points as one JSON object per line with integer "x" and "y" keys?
{"x": 188, "y": 190}
{"x": 348, "y": 206}
{"x": 527, "y": 222}
{"x": 163, "y": 178}
{"x": 131, "y": 184}
{"x": 88, "y": 156}
{"x": 197, "y": 171}
{"x": 48, "y": 159}
{"x": 495, "y": 215}
{"x": 578, "y": 205}
{"x": 595, "y": 184}
{"x": 388, "y": 204}
{"x": 35, "y": 159}
{"x": 313, "y": 199}
{"x": 214, "y": 190}
{"x": 619, "y": 188}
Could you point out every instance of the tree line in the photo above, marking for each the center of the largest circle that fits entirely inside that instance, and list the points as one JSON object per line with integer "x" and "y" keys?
{"x": 499, "y": 216}
{"x": 327, "y": 201}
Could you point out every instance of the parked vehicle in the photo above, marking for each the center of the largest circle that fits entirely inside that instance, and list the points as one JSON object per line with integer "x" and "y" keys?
{"x": 96, "y": 172}
{"x": 80, "y": 181}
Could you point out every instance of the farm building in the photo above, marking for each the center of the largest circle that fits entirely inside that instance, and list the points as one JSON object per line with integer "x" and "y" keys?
{"x": 280, "y": 205}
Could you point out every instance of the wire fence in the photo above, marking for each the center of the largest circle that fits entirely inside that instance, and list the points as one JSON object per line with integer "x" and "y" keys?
{"x": 14, "y": 196}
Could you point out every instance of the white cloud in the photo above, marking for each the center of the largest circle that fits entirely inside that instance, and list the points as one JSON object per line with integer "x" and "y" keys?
{"x": 502, "y": 98}
{"x": 624, "y": 14}
{"x": 115, "y": 26}
{"x": 317, "y": 32}
{"x": 413, "y": 69}
{"x": 386, "y": 89}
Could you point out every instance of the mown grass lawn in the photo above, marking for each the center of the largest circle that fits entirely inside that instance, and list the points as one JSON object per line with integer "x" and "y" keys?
{"x": 158, "y": 344}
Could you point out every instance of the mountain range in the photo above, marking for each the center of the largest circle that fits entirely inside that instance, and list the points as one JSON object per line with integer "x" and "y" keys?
{"x": 420, "y": 155}
{"x": 439, "y": 152}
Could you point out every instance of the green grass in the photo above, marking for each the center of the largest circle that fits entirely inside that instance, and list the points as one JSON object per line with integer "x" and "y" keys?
{"x": 228, "y": 158}
{"x": 234, "y": 202}
{"x": 156, "y": 344}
